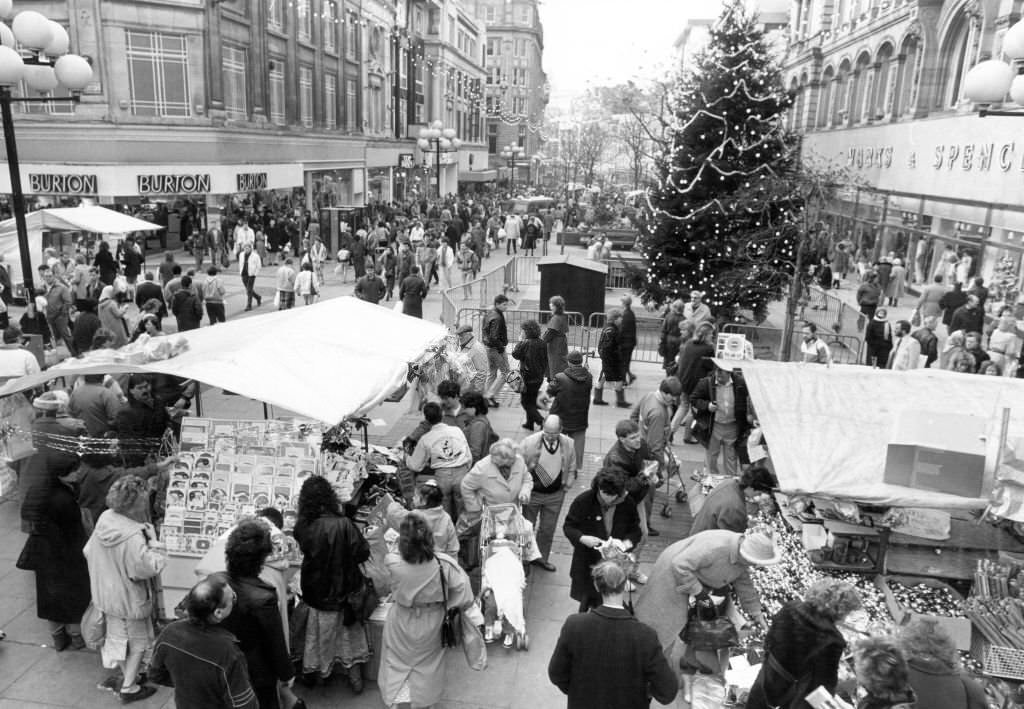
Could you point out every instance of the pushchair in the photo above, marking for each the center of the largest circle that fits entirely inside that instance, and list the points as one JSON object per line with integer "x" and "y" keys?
{"x": 505, "y": 539}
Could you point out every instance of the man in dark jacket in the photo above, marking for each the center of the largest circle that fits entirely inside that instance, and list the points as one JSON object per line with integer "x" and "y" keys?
{"x": 969, "y": 317}
{"x": 149, "y": 290}
{"x": 587, "y": 526}
{"x": 950, "y": 302}
{"x": 495, "y": 339}
{"x": 928, "y": 339}
{"x": 694, "y": 364}
{"x": 199, "y": 658}
{"x": 723, "y": 415}
{"x": 610, "y": 352}
{"x": 628, "y": 456}
{"x": 571, "y": 401}
{"x": 141, "y": 422}
{"x": 607, "y": 659}
{"x": 186, "y": 307}
{"x": 87, "y": 322}
{"x": 370, "y": 288}
{"x": 627, "y": 337}
{"x": 256, "y": 618}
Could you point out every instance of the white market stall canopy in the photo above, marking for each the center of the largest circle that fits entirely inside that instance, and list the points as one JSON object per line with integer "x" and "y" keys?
{"x": 95, "y": 220}
{"x": 828, "y": 429}
{"x": 338, "y": 358}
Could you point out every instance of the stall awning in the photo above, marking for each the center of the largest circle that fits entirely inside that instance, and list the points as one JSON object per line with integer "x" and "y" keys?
{"x": 828, "y": 429}
{"x": 478, "y": 176}
{"x": 338, "y": 358}
{"x": 95, "y": 220}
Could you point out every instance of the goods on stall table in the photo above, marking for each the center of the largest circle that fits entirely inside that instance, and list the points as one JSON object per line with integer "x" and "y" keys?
{"x": 229, "y": 470}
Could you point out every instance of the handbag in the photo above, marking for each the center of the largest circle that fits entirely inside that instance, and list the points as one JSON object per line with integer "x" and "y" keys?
{"x": 362, "y": 602}
{"x": 705, "y": 629}
{"x": 94, "y": 627}
{"x": 515, "y": 382}
{"x": 451, "y": 625}
{"x": 915, "y": 319}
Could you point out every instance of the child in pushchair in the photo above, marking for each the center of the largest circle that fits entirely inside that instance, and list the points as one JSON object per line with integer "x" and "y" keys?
{"x": 506, "y": 542}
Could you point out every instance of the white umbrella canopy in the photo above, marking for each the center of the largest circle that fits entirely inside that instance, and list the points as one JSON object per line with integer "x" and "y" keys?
{"x": 328, "y": 361}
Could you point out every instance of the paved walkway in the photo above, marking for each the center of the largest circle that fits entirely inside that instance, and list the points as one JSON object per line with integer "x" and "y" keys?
{"x": 33, "y": 676}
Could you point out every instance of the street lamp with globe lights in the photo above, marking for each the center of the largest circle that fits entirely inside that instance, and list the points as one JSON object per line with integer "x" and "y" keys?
{"x": 438, "y": 139}
{"x": 44, "y": 64}
{"x": 511, "y": 153}
{"x": 989, "y": 82}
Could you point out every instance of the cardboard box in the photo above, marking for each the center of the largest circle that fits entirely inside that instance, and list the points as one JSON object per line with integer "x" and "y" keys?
{"x": 939, "y": 452}
{"x": 958, "y": 628}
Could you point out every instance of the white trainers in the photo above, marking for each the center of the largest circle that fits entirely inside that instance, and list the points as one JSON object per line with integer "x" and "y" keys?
{"x": 488, "y": 634}
{"x": 640, "y": 577}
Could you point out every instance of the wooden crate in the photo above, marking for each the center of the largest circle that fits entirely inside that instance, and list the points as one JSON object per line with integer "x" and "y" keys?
{"x": 958, "y": 628}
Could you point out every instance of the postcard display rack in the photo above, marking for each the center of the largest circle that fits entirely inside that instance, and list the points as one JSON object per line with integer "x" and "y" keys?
{"x": 228, "y": 470}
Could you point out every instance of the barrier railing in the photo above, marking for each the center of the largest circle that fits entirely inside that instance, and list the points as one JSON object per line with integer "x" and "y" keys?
{"x": 830, "y": 313}
{"x": 576, "y": 336}
{"x": 845, "y": 349}
{"x": 623, "y": 273}
{"x": 648, "y": 335}
{"x": 478, "y": 292}
{"x": 526, "y": 272}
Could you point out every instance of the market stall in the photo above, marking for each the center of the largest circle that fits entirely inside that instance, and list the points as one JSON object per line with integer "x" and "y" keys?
{"x": 909, "y": 488}
{"x": 328, "y": 363}
{"x": 87, "y": 220}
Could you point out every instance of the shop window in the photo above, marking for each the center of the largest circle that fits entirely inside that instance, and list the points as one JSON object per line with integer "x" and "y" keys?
{"x": 236, "y": 103}
{"x": 525, "y": 16}
{"x": 275, "y": 14}
{"x": 351, "y": 105}
{"x": 841, "y": 95}
{"x": 330, "y": 31}
{"x": 304, "y": 18}
{"x": 330, "y": 101}
{"x": 417, "y": 20}
{"x": 434, "y": 22}
{"x": 489, "y": 14}
{"x": 885, "y": 80}
{"x": 306, "y": 96}
{"x": 158, "y": 74}
{"x": 858, "y": 80}
{"x": 277, "y": 92}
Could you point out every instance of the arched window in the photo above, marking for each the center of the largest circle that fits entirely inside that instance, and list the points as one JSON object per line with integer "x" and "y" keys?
{"x": 905, "y": 100}
{"x": 862, "y": 83}
{"x": 826, "y": 94}
{"x": 956, "y": 56}
{"x": 885, "y": 82}
{"x": 842, "y": 94}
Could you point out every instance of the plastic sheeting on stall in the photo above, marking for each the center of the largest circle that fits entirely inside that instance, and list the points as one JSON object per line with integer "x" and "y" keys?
{"x": 827, "y": 428}
{"x": 328, "y": 361}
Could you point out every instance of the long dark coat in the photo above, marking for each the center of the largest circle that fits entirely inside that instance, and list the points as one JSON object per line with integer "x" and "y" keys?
{"x": 586, "y": 518}
{"x": 412, "y": 292}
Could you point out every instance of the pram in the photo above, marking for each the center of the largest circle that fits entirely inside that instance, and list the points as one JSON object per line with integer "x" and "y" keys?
{"x": 672, "y": 469}
{"x": 505, "y": 540}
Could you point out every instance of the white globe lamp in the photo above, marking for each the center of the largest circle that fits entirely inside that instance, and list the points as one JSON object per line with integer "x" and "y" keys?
{"x": 1013, "y": 41}
{"x": 1017, "y": 90}
{"x": 73, "y": 72}
{"x": 423, "y": 144}
{"x": 32, "y": 29}
{"x": 988, "y": 82}
{"x": 59, "y": 42}
{"x": 12, "y": 67}
{"x": 7, "y": 36}
{"x": 40, "y": 78}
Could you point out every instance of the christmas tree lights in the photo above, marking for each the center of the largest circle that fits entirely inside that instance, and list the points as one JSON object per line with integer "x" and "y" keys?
{"x": 717, "y": 222}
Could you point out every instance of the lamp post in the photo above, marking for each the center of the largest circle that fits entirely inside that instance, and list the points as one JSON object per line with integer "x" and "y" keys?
{"x": 438, "y": 139}
{"x": 43, "y": 64}
{"x": 511, "y": 153}
{"x": 989, "y": 82}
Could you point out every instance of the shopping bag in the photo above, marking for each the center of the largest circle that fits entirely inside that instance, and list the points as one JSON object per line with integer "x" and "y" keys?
{"x": 398, "y": 307}
{"x": 277, "y": 299}
{"x": 705, "y": 629}
{"x": 94, "y": 627}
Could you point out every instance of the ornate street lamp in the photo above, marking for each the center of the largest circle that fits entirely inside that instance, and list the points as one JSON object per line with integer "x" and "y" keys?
{"x": 511, "y": 153}
{"x": 44, "y": 64}
{"x": 438, "y": 139}
{"x": 989, "y": 82}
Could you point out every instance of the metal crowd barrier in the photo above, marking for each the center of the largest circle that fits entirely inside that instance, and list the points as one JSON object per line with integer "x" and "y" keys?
{"x": 846, "y": 349}
{"x": 623, "y": 273}
{"x": 830, "y": 313}
{"x": 648, "y": 335}
{"x": 576, "y": 336}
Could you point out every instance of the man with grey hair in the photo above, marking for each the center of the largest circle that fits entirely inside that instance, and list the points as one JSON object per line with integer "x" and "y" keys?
{"x": 606, "y": 657}
{"x": 929, "y": 341}
{"x": 551, "y": 459}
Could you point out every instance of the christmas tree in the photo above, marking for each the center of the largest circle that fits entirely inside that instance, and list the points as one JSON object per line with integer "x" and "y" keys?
{"x": 723, "y": 218}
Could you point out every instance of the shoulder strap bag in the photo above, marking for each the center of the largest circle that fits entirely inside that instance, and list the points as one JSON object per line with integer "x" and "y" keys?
{"x": 451, "y": 625}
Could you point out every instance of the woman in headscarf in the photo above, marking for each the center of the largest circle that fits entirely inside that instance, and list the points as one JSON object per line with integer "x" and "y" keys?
{"x": 112, "y": 316}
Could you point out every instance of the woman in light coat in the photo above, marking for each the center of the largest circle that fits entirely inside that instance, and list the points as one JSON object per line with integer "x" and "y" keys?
{"x": 412, "y": 658}
{"x": 124, "y": 556}
{"x": 112, "y": 316}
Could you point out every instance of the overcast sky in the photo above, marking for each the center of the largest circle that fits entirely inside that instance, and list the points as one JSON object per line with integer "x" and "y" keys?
{"x": 603, "y": 42}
